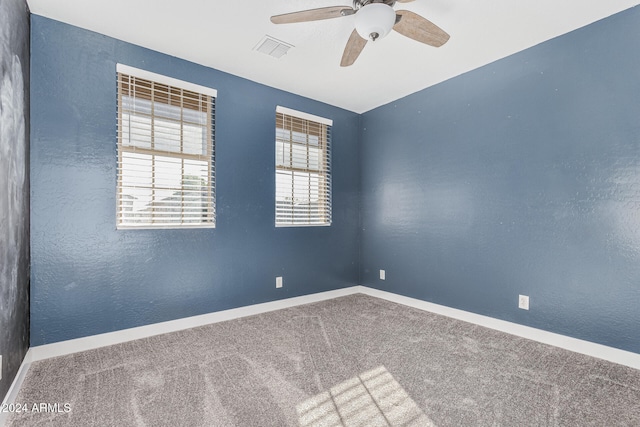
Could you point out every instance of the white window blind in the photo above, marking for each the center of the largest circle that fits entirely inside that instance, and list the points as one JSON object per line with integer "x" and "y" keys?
{"x": 166, "y": 173}
{"x": 303, "y": 169}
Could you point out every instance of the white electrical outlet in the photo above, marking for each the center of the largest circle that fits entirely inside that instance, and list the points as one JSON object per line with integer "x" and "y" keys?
{"x": 279, "y": 282}
{"x": 383, "y": 275}
{"x": 523, "y": 302}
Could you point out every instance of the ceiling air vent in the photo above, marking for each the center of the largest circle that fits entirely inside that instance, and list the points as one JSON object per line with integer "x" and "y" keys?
{"x": 272, "y": 47}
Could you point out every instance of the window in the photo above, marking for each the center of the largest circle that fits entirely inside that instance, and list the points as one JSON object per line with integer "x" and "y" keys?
{"x": 166, "y": 174}
{"x": 303, "y": 169}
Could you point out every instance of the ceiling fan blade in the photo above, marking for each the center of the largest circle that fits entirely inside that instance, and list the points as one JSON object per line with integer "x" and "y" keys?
{"x": 352, "y": 50}
{"x": 418, "y": 28}
{"x": 313, "y": 15}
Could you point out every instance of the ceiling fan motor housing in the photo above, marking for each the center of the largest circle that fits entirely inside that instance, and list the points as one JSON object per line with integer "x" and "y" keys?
{"x": 357, "y": 4}
{"x": 374, "y": 20}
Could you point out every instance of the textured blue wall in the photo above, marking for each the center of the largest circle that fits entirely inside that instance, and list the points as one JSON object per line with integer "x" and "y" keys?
{"x": 88, "y": 278}
{"x": 522, "y": 177}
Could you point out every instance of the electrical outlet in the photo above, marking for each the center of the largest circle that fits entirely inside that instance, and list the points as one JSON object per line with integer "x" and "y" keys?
{"x": 523, "y": 302}
{"x": 279, "y": 282}
{"x": 383, "y": 275}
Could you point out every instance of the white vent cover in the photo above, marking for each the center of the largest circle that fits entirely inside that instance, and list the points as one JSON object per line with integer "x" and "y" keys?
{"x": 272, "y": 47}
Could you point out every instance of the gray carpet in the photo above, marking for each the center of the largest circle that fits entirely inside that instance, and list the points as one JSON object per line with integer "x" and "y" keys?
{"x": 350, "y": 361}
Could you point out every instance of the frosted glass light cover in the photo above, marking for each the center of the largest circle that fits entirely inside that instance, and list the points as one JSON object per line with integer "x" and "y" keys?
{"x": 375, "y": 18}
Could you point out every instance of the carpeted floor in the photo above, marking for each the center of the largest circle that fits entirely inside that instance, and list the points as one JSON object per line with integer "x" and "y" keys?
{"x": 350, "y": 361}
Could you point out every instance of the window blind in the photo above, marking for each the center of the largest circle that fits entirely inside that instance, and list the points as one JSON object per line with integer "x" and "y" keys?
{"x": 166, "y": 173}
{"x": 303, "y": 169}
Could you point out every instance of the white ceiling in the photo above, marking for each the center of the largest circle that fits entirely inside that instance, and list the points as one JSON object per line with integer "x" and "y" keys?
{"x": 222, "y": 34}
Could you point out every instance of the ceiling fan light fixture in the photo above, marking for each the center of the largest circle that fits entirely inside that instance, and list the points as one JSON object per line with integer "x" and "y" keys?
{"x": 375, "y": 20}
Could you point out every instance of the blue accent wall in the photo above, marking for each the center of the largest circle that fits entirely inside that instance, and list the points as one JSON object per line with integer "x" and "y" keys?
{"x": 521, "y": 177}
{"x": 88, "y": 278}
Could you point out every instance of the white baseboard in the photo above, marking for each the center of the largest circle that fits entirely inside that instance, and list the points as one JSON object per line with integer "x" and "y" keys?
{"x": 87, "y": 343}
{"x": 600, "y": 351}
{"x": 12, "y": 393}
{"x": 102, "y": 340}
{"x": 573, "y": 344}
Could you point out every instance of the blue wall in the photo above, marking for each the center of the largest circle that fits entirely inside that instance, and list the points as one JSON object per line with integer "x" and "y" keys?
{"x": 522, "y": 177}
{"x": 14, "y": 189}
{"x": 88, "y": 278}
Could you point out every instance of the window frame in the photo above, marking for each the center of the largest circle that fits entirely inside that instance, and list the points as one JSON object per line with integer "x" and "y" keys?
{"x": 324, "y": 173}
{"x": 209, "y": 155}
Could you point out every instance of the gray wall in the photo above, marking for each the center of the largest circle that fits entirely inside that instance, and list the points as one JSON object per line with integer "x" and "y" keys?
{"x": 87, "y": 277}
{"x": 14, "y": 188}
{"x": 522, "y": 177}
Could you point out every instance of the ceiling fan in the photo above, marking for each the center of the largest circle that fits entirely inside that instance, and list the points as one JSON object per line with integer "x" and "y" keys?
{"x": 374, "y": 20}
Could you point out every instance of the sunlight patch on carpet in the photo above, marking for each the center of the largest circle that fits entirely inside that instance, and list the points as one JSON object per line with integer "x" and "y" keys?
{"x": 373, "y": 398}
